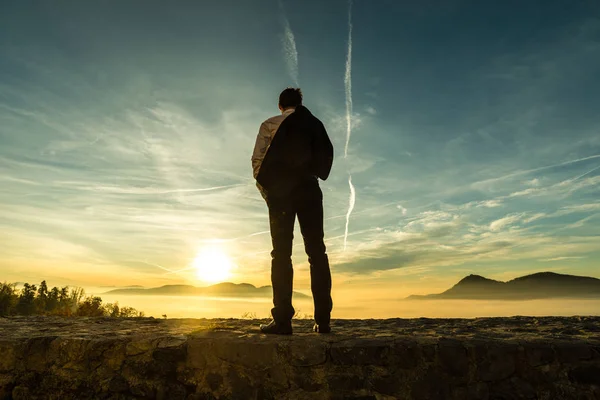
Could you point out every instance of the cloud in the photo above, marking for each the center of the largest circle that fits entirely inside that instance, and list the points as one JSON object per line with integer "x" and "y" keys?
{"x": 563, "y": 258}
{"x": 534, "y": 217}
{"x": 532, "y": 182}
{"x": 289, "y": 46}
{"x": 393, "y": 250}
{"x": 348, "y": 81}
{"x": 487, "y": 182}
{"x": 484, "y": 204}
{"x": 504, "y": 222}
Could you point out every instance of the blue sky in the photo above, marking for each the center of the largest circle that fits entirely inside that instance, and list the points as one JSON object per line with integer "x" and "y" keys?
{"x": 126, "y": 130}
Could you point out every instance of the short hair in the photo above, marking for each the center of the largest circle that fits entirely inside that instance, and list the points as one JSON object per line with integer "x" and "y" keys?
{"x": 290, "y": 97}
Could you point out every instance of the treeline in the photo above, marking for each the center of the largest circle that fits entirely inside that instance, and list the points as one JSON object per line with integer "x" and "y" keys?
{"x": 38, "y": 300}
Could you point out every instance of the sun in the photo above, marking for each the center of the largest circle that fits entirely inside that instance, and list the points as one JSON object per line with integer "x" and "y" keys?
{"x": 212, "y": 265}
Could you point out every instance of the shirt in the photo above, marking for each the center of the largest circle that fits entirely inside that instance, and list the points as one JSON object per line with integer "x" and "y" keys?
{"x": 265, "y": 136}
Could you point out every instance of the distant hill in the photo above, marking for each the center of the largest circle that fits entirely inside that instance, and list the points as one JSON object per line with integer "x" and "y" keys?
{"x": 542, "y": 285}
{"x": 123, "y": 287}
{"x": 219, "y": 290}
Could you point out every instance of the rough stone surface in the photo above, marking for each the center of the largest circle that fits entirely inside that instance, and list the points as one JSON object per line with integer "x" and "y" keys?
{"x": 487, "y": 358}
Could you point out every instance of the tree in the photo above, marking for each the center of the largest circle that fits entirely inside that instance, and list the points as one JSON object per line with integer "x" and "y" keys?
{"x": 8, "y": 298}
{"x": 64, "y": 294}
{"x": 77, "y": 294}
{"x": 26, "y": 302}
{"x": 53, "y": 299}
{"x": 42, "y": 298}
{"x": 68, "y": 301}
{"x": 91, "y": 307}
{"x": 112, "y": 310}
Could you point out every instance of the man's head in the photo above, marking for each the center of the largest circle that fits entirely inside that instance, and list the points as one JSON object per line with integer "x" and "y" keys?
{"x": 290, "y": 98}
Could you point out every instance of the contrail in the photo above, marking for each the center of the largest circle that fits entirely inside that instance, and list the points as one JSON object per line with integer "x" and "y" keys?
{"x": 587, "y": 173}
{"x": 348, "y": 85}
{"x": 169, "y": 271}
{"x": 350, "y": 208}
{"x": 289, "y": 47}
{"x": 518, "y": 173}
{"x": 348, "y": 81}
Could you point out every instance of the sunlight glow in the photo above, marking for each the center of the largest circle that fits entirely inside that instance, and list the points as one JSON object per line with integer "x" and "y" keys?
{"x": 212, "y": 265}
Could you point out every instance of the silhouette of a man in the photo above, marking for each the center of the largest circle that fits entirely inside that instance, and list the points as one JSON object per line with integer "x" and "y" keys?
{"x": 292, "y": 152}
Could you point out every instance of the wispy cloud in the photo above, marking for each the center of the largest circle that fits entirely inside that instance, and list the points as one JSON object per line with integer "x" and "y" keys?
{"x": 348, "y": 81}
{"x": 562, "y": 258}
{"x": 348, "y": 86}
{"x": 504, "y": 222}
{"x": 352, "y": 201}
{"x": 289, "y": 46}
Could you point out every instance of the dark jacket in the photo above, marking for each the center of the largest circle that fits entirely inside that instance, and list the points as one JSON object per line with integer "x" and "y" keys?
{"x": 300, "y": 152}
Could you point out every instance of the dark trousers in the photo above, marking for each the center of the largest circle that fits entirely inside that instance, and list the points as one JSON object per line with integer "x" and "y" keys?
{"x": 306, "y": 202}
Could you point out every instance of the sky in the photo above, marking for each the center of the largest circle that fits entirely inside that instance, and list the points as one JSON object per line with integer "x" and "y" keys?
{"x": 472, "y": 133}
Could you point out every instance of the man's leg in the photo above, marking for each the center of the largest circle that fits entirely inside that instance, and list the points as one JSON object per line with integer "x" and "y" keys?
{"x": 310, "y": 217}
{"x": 281, "y": 220}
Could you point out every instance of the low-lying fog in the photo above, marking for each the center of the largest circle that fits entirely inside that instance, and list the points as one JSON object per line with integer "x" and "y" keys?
{"x": 211, "y": 307}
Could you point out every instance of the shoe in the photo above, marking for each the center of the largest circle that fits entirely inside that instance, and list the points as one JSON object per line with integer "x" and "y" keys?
{"x": 322, "y": 328}
{"x": 277, "y": 329}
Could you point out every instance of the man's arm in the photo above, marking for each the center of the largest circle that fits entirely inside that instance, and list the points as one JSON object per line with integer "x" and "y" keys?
{"x": 263, "y": 140}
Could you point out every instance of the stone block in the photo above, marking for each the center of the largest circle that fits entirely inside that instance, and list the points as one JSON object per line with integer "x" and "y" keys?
{"x": 251, "y": 354}
{"x": 7, "y": 383}
{"x": 476, "y": 391}
{"x": 572, "y": 353}
{"x": 539, "y": 354}
{"x": 588, "y": 374}
{"x": 68, "y": 353}
{"x": 304, "y": 353}
{"x": 453, "y": 358}
{"x": 170, "y": 354}
{"x": 7, "y": 356}
{"x": 406, "y": 354}
{"x": 347, "y": 382}
{"x": 499, "y": 363}
{"x": 35, "y": 354}
{"x": 363, "y": 352}
{"x": 139, "y": 346}
{"x": 431, "y": 385}
{"x": 391, "y": 385}
{"x": 240, "y": 385}
{"x": 21, "y": 393}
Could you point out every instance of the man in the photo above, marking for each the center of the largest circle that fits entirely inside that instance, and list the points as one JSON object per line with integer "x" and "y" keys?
{"x": 292, "y": 151}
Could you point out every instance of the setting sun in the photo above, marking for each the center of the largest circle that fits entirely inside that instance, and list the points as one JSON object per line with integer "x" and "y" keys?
{"x": 212, "y": 265}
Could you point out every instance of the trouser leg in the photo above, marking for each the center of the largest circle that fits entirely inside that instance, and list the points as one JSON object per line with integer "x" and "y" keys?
{"x": 281, "y": 220}
{"x": 310, "y": 218}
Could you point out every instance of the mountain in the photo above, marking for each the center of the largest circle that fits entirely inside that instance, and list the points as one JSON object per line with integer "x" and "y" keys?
{"x": 542, "y": 285}
{"x": 226, "y": 289}
{"x": 123, "y": 287}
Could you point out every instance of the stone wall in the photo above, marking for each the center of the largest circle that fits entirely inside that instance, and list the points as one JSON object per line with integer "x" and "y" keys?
{"x": 496, "y": 358}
